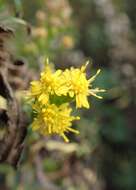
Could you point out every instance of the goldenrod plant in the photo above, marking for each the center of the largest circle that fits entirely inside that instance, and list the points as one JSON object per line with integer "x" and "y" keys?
{"x": 51, "y": 97}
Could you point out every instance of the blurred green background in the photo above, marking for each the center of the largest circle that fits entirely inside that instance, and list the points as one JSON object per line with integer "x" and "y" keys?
{"x": 103, "y": 156}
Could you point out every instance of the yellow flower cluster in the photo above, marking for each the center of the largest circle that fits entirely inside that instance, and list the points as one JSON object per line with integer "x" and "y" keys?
{"x": 54, "y": 119}
{"x": 52, "y": 95}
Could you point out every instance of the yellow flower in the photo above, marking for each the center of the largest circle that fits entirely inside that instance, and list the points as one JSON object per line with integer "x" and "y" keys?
{"x": 37, "y": 92}
{"x": 54, "y": 119}
{"x": 79, "y": 86}
{"x": 50, "y": 83}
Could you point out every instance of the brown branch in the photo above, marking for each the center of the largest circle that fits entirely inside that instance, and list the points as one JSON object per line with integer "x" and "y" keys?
{"x": 12, "y": 144}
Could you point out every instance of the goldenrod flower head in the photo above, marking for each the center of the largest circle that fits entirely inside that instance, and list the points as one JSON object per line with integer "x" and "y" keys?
{"x": 54, "y": 119}
{"x": 50, "y": 83}
{"x": 79, "y": 85}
